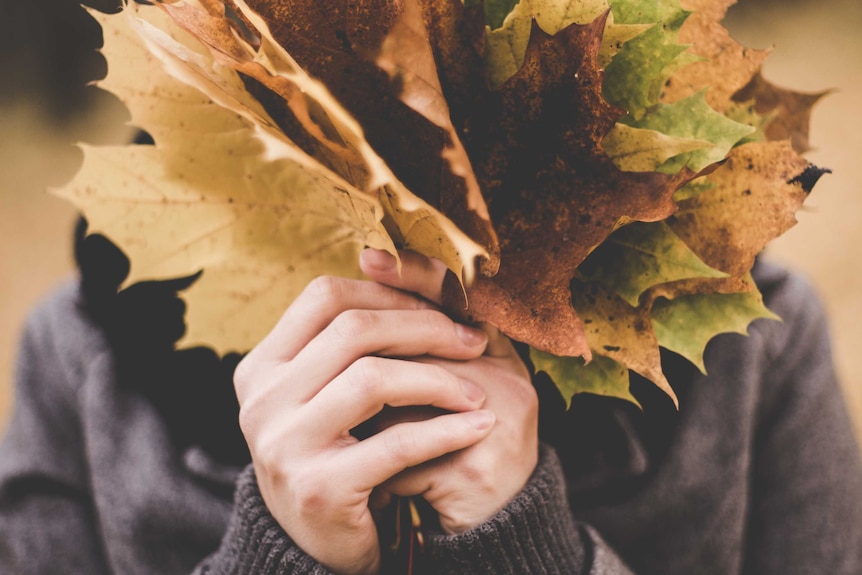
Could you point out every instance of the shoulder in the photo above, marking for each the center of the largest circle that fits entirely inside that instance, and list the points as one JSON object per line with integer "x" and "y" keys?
{"x": 60, "y": 337}
{"x": 794, "y": 299}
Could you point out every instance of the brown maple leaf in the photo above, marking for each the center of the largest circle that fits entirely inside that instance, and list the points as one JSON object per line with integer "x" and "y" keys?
{"x": 552, "y": 191}
{"x": 789, "y": 111}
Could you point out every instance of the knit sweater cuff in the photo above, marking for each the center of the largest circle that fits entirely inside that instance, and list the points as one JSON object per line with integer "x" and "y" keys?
{"x": 534, "y": 533}
{"x": 255, "y": 543}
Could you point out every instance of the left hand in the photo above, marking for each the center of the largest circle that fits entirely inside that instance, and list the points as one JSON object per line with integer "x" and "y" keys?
{"x": 468, "y": 487}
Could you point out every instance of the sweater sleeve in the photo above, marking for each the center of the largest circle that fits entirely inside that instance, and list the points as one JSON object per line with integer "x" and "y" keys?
{"x": 806, "y": 501}
{"x": 254, "y": 542}
{"x": 535, "y": 533}
{"x": 47, "y": 519}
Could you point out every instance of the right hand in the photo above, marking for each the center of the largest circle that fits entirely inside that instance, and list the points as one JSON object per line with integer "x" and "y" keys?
{"x": 329, "y": 365}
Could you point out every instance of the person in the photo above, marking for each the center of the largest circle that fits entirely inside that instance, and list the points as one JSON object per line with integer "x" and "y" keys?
{"x": 123, "y": 455}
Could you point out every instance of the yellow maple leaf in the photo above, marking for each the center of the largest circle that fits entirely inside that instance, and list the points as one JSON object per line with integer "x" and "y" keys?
{"x": 224, "y": 190}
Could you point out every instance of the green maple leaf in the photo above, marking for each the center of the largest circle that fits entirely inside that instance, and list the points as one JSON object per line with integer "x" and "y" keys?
{"x": 692, "y": 118}
{"x": 641, "y": 255}
{"x": 746, "y": 113}
{"x": 686, "y": 324}
{"x": 641, "y": 150}
{"x": 601, "y": 376}
{"x": 635, "y": 77}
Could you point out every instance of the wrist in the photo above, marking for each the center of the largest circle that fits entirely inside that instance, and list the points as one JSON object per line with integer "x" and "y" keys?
{"x": 485, "y": 499}
{"x": 534, "y": 529}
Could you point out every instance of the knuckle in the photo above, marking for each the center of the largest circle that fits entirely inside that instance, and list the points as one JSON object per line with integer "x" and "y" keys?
{"x": 269, "y": 459}
{"x": 367, "y": 376}
{"x": 309, "y": 491}
{"x": 244, "y": 374}
{"x": 400, "y": 444}
{"x": 249, "y": 414}
{"x": 246, "y": 421}
{"x": 353, "y": 323}
{"x": 479, "y": 472}
{"x": 436, "y": 325}
{"x": 326, "y": 288}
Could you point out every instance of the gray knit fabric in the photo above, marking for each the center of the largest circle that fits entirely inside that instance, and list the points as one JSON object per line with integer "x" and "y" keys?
{"x": 762, "y": 475}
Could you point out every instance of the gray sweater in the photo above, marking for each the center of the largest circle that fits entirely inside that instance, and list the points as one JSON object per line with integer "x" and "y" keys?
{"x": 757, "y": 474}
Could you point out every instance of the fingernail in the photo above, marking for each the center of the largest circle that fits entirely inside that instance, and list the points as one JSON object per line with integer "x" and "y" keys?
{"x": 481, "y": 419}
{"x": 378, "y": 260}
{"x": 472, "y": 391}
{"x": 471, "y": 336}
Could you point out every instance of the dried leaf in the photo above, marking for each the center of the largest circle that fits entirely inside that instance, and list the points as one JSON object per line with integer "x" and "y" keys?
{"x": 406, "y": 55}
{"x": 340, "y": 46}
{"x": 334, "y": 137}
{"x": 549, "y": 208}
{"x": 244, "y": 201}
{"x": 723, "y": 66}
{"x": 788, "y": 112}
{"x": 755, "y": 196}
{"x": 507, "y": 45}
{"x": 619, "y": 331}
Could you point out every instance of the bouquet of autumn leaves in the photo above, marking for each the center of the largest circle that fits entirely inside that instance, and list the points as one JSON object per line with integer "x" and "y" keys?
{"x": 598, "y": 175}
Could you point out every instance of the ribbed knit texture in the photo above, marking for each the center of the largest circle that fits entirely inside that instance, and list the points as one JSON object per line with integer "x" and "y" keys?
{"x": 535, "y": 533}
{"x": 255, "y": 542}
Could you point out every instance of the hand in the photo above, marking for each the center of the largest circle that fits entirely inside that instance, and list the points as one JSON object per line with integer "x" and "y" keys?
{"x": 329, "y": 365}
{"x": 468, "y": 487}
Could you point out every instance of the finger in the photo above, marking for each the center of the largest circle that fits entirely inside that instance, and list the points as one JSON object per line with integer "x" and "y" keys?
{"x": 370, "y": 383}
{"x": 418, "y": 274}
{"x": 417, "y": 480}
{"x": 381, "y": 456}
{"x": 320, "y": 303}
{"x": 398, "y": 333}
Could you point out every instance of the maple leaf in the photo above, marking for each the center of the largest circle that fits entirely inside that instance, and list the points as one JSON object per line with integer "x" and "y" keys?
{"x": 722, "y": 65}
{"x": 640, "y": 256}
{"x": 692, "y": 118}
{"x": 393, "y": 94}
{"x": 243, "y": 202}
{"x": 642, "y": 150}
{"x": 754, "y": 198}
{"x": 601, "y": 376}
{"x": 549, "y": 208}
{"x": 788, "y": 112}
{"x": 686, "y": 323}
{"x": 507, "y": 43}
{"x": 619, "y": 331}
{"x": 639, "y": 72}
{"x": 414, "y": 124}
{"x": 416, "y": 225}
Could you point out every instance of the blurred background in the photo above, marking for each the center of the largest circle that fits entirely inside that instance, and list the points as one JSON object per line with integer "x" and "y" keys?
{"x": 48, "y": 48}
